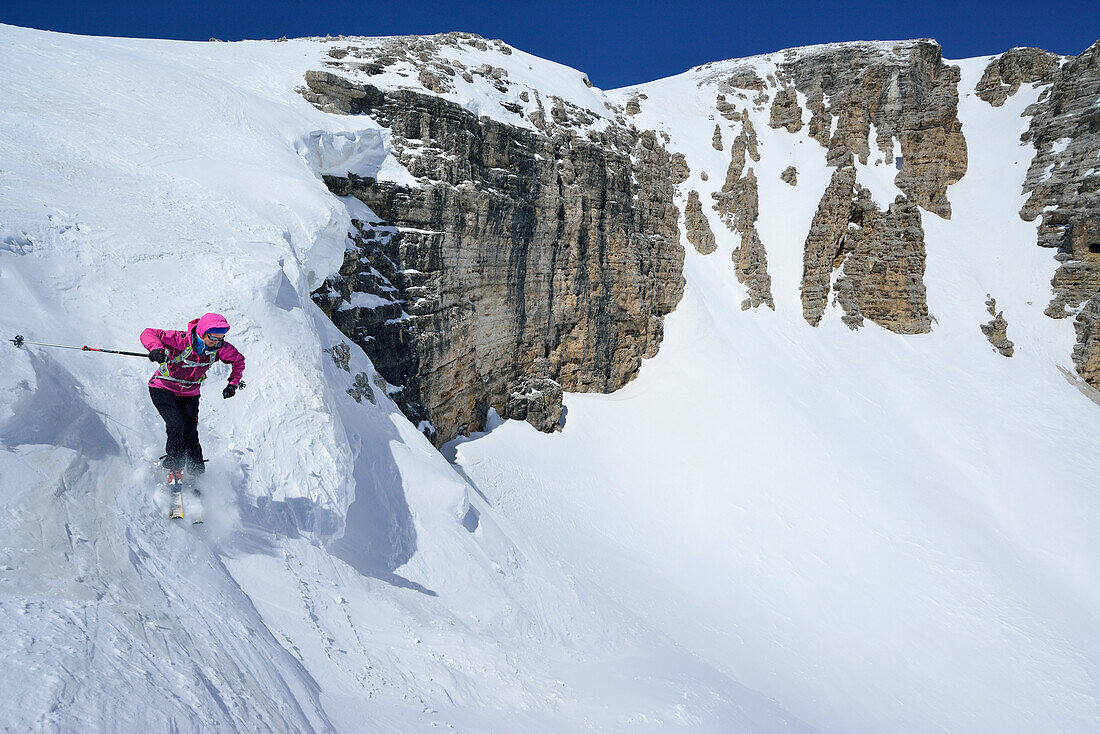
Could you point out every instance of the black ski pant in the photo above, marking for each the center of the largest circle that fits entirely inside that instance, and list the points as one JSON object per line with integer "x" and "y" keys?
{"x": 181, "y": 422}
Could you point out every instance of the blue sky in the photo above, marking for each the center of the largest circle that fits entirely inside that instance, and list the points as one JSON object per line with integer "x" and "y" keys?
{"x": 617, "y": 43}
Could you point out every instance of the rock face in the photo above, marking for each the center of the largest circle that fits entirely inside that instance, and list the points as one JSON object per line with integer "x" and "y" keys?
{"x": 1005, "y": 74}
{"x": 738, "y": 204}
{"x": 1086, "y": 353}
{"x": 785, "y": 111}
{"x": 789, "y": 176}
{"x": 996, "y": 331}
{"x": 523, "y": 260}
{"x": 680, "y": 170}
{"x": 536, "y": 400}
{"x": 909, "y": 98}
{"x": 906, "y": 92}
{"x": 881, "y": 256}
{"x": 1065, "y": 191}
{"x": 699, "y": 233}
{"x": 526, "y": 262}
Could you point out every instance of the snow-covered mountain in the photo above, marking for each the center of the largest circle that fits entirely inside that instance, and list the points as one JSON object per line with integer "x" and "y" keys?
{"x": 770, "y": 525}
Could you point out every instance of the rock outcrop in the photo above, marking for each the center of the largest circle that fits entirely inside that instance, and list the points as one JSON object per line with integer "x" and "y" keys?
{"x": 880, "y": 256}
{"x": 996, "y": 331}
{"x": 906, "y": 92}
{"x": 1064, "y": 190}
{"x": 738, "y": 204}
{"x": 1086, "y": 352}
{"x": 680, "y": 170}
{"x": 908, "y": 98}
{"x": 789, "y": 176}
{"x": 523, "y": 258}
{"x": 699, "y": 233}
{"x": 1004, "y": 74}
{"x": 530, "y": 261}
{"x": 785, "y": 111}
{"x": 537, "y": 400}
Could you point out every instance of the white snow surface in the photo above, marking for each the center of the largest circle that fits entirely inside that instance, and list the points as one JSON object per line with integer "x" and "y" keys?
{"x": 774, "y": 528}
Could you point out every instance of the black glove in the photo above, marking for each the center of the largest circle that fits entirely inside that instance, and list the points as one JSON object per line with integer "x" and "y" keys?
{"x": 158, "y": 355}
{"x": 229, "y": 391}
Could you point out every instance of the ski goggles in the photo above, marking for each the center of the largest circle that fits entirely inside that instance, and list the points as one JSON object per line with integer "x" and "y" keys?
{"x": 218, "y": 337}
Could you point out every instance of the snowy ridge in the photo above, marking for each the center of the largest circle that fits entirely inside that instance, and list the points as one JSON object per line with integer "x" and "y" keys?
{"x": 773, "y": 528}
{"x": 487, "y": 77}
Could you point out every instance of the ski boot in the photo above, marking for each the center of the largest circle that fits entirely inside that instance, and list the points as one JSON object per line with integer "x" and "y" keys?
{"x": 175, "y": 485}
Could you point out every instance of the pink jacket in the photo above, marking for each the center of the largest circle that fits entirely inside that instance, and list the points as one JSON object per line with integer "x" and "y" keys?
{"x": 185, "y": 370}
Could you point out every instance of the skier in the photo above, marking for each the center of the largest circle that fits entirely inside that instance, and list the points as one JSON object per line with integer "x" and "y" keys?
{"x": 184, "y": 358}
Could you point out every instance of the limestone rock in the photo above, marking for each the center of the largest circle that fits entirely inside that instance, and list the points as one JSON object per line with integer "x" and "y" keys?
{"x": 1004, "y": 74}
{"x": 1086, "y": 353}
{"x": 881, "y": 256}
{"x": 716, "y": 139}
{"x": 883, "y": 273}
{"x": 699, "y": 233}
{"x": 434, "y": 81}
{"x": 907, "y": 93}
{"x": 785, "y": 111}
{"x": 996, "y": 331}
{"x": 341, "y": 355}
{"x": 740, "y": 78}
{"x": 825, "y": 243}
{"x": 429, "y": 60}
{"x": 726, "y": 109}
{"x": 1063, "y": 189}
{"x": 738, "y": 204}
{"x": 751, "y": 265}
{"x": 361, "y": 388}
{"x": 680, "y": 170}
{"x": 789, "y": 176}
{"x": 537, "y": 400}
{"x": 519, "y": 247}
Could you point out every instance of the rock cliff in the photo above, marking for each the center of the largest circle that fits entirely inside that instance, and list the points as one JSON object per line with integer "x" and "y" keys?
{"x": 525, "y": 261}
{"x": 906, "y": 98}
{"x": 1005, "y": 74}
{"x": 537, "y": 248}
{"x": 699, "y": 233}
{"x": 880, "y": 256}
{"x": 738, "y": 204}
{"x": 1064, "y": 190}
{"x": 905, "y": 93}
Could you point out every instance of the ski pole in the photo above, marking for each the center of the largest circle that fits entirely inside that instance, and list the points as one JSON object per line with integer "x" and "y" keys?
{"x": 19, "y": 341}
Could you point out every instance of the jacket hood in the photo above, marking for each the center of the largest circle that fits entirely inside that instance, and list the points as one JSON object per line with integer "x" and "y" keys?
{"x": 208, "y": 321}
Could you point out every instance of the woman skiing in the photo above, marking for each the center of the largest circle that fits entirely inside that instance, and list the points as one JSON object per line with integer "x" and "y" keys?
{"x": 184, "y": 358}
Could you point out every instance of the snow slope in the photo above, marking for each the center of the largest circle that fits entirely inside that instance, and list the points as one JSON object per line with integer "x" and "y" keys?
{"x": 774, "y": 528}
{"x": 881, "y": 532}
{"x": 342, "y": 581}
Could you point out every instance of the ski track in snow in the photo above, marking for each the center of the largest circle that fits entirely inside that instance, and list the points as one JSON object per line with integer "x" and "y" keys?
{"x": 774, "y": 528}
